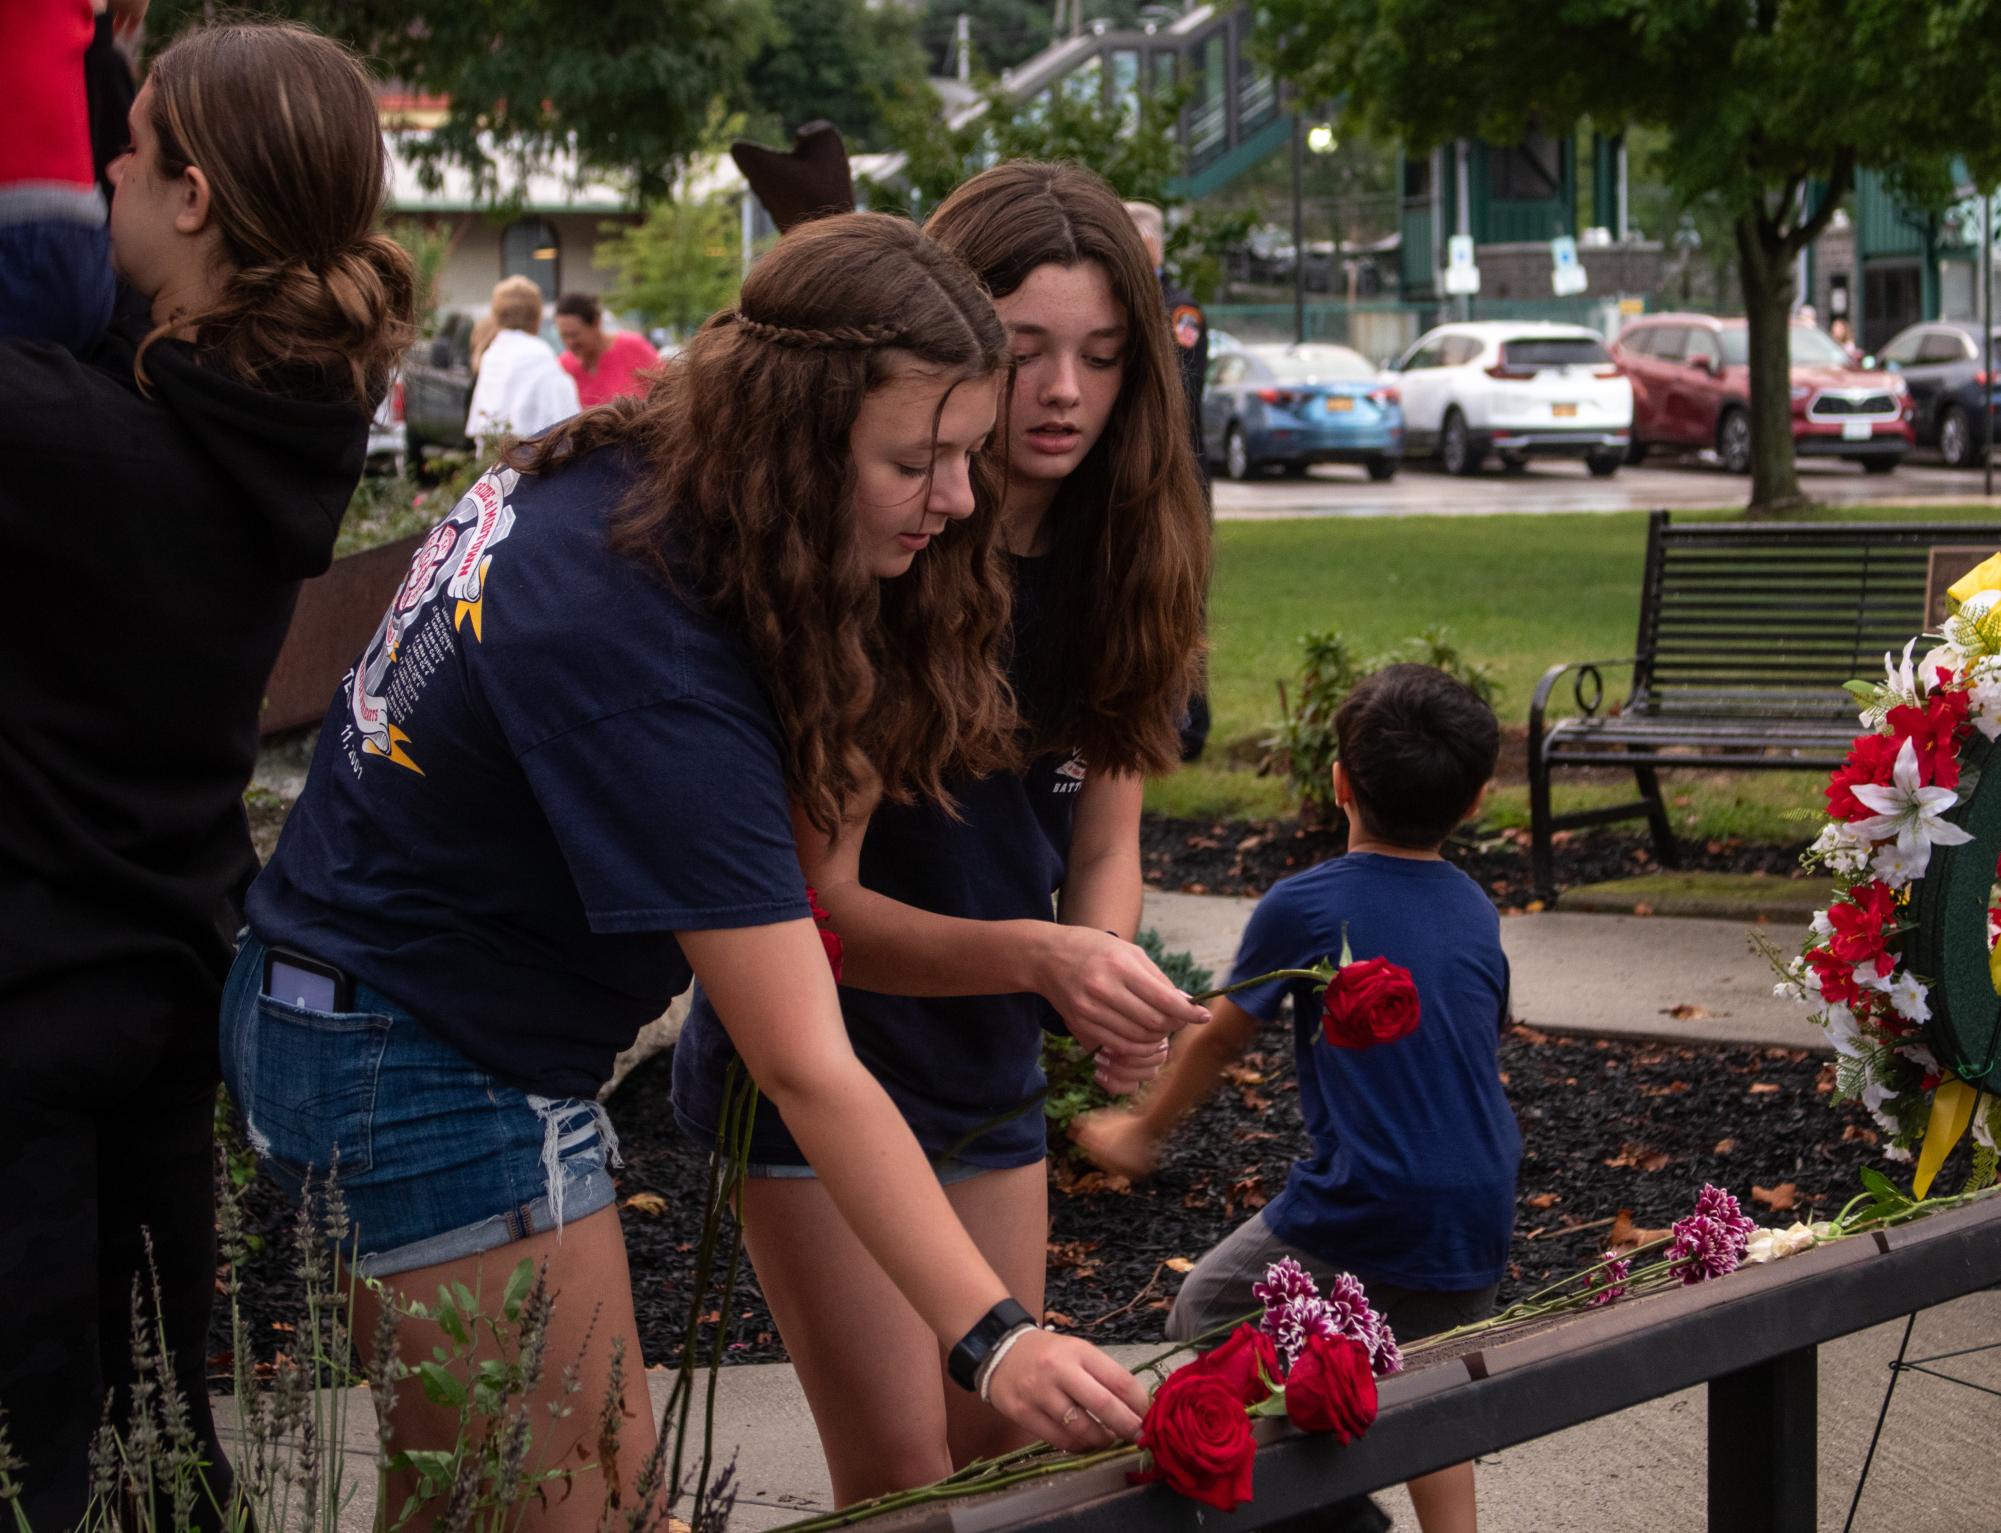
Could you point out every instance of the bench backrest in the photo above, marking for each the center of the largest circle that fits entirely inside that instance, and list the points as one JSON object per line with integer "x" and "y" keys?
{"x": 1770, "y": 618}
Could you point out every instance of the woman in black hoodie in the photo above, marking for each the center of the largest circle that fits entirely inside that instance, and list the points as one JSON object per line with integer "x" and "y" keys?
{"x": 166, "y": 492}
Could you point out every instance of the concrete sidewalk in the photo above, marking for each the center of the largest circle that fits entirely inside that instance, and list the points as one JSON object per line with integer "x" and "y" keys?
{"x": 1640, "y": 1468}
{"x": 1616, "y": 976}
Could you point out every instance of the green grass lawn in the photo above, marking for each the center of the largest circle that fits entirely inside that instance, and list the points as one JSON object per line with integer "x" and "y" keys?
{"x": 1518, "y": 594}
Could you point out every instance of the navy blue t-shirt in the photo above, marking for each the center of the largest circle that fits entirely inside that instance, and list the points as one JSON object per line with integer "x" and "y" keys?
{"x": 950, "y": 1063}
{"x": 543, "y": 765}
{"x": 1412, "y": 1176}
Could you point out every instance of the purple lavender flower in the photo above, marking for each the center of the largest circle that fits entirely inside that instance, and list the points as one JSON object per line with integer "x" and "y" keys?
{"x": 1608, "y": 1282}
{"x": 1710, "y": 1242}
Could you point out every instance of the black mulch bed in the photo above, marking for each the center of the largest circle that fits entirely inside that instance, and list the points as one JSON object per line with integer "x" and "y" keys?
{"x": 1249, "y": 856}
{"x": 1608, "y": 1126}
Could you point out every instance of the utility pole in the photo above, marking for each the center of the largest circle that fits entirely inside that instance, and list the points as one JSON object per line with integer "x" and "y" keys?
{"x": 965, "y": 46}
{"x": 1298, "y": 225}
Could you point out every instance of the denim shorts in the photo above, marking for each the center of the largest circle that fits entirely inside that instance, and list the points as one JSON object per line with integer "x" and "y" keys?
{"x": 436, "y": 1158}
{"x": 949, "y": 1172}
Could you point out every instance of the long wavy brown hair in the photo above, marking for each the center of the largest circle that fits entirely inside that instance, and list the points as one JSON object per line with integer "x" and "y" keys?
{"x": 318, "y": 303}
{"x": 743, "y": 503}
{"x": 1130, "y": 528}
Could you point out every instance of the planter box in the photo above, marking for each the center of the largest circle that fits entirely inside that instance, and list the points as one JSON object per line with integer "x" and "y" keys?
{"x": 337, "y": 614}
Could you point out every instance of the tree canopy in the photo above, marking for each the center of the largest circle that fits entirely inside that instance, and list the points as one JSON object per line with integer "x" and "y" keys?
{"x": 837, "y": 59}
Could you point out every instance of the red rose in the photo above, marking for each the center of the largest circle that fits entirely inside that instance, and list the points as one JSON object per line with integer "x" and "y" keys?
{"x": 1200, "y": 1438}
{"x": 1870, "y": 761}
{"x": 1238, "y": 1360}
{"x": 1370, "y": 1001}
{"x": 830, "y": 940}
{"x": 1332, "y": 1388}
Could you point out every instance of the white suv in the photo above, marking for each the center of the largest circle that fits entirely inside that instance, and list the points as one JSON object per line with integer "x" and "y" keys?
{"x": 1520, "y": 390}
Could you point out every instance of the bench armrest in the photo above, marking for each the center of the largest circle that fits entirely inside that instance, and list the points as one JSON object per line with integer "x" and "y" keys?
{"x": 1587, "y": 671}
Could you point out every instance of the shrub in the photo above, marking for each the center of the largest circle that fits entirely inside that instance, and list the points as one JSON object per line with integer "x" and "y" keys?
{"x": 1073, "y": 1088}
{"x": 1302, "y": 744}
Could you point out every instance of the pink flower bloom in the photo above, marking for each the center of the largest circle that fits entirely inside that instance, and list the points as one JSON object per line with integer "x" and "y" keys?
{"x": 1295, "y": 1310}
{"x": 1710, "y": 1243}
{"x": 1608, "y": 1282}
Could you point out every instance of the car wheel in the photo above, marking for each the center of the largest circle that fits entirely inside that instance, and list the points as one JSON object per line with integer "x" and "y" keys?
{"x": 1955, "y": 438}
{"x": 1603, "y": 465}
{"x": 1636, "y": 452}
{"x": 1294, "y": 470}
{"x": 1381, "y": 469}
{"x": 1733, "y": 441}
{"x": 1514, "y": 463}
{"x": 1236, "y": 455}
{"x": 1880, "y": 465}
{"x": 1455, "y": 446}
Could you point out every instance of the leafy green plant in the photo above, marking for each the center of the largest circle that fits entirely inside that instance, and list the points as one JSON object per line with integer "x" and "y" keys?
{"x": 1073, "y": 1088}
{"x": 1302, "y": 744}
{"x": 390, "y": 506}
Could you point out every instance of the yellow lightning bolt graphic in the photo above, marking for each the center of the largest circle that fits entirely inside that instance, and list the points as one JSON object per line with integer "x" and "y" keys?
{"x": 470, "y": 609}
{"x": 395, "y": 753}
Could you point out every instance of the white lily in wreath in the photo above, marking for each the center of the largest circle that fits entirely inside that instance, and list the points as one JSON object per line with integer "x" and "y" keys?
{"x": 1900, "y": 688}
{"x": 1912, "y": 814}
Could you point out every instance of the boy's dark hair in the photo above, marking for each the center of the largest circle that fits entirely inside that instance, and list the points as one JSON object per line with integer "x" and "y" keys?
{"x": 1417, "y": 747}
{"x": 583, "y": 306}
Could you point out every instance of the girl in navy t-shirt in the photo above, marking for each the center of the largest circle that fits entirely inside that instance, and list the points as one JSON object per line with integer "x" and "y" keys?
{"x": 954, "y": 965}
{"x": 558, "y": 780}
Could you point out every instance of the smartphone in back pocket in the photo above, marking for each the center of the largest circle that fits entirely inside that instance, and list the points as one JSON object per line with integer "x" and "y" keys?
{"x": 298, "y": 980}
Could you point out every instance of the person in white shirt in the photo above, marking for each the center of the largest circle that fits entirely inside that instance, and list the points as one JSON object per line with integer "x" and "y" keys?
{"x": 521, "y": 389}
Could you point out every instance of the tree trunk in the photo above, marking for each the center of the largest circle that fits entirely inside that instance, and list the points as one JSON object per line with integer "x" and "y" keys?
{"x": 1765, "y": 268}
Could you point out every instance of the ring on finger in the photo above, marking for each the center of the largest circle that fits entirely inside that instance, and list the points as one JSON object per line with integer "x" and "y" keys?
{"x": 1071, "y": 1414}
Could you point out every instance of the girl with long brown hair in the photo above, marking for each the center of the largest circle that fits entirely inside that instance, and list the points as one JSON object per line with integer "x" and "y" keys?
{"x": 954, "y": 965}
{"x": 167, "y": 489}
{"x": 557, "y": 783}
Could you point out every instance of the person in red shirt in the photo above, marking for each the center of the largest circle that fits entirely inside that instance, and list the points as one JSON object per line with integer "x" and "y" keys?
{"x": 604, "y": 366}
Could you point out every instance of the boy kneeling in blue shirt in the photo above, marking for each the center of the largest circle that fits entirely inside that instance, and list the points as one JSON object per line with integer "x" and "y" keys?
{"x": 1410, "y": 1184}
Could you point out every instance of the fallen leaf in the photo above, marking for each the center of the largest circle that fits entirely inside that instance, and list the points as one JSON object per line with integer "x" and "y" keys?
{"x": 1194, "y": 888}
{"x": 1544, "y": 1200}
{"x": 1778, "y": 1199}
{"x": 649, "y": 1203}
{"x": 1243, "y": 1075}
{"x": 1640, "y": 1157}
{"x": 1764, "y": 1088}
{"x": 1853, "y": 1132}
{"x": 1254, "y": 1101}
{"x": 1625, "y": 1234}
{"x": 1643, "y": 909}
{"x": 1534, "y": 908}
{"x": 1687, "y": 1011}
{"x": 1724, "y": 1146}
{"x": 1527, "y": 1034}
{"x": 1095, "y": 1181}
{"x": 1180, "y": 1264}
{"x": 1056, "y": 1317}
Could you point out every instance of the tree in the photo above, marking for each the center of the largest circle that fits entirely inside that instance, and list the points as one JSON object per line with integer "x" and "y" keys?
{"x": 1131, "y": 146}
{"x": 1767, "y": 106}
{"x": 837, "y": 59}
{"x": 624, "y": 84}
{"x": 678, "y": 265}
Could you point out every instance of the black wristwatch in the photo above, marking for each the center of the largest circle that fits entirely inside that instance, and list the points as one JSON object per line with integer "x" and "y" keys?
{"x": 977, "y": 1345}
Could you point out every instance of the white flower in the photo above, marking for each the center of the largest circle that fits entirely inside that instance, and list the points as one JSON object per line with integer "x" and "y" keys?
{"x": 1984, "y": 701}
{"x": 1947, "y": 657}
{"x": 1897, "y": 867}
{"x": 1987, "y": 1121}
{"x": 1822, "y": 926}
{"x": 1894, "y": 1152}
{"x": 1919, "y": 1055}
{"x": 1900, "y": 688}
{"x": 1874, "y": 1095}
{"x": 1844, "y": 1032}
{"x": 1910, "y": 813}
{"x": 1839, "y": 849}
{"x": 1776, "y": 1245}
{"x": 1912, "y": 1000}
{"x": 1869, "y": 979}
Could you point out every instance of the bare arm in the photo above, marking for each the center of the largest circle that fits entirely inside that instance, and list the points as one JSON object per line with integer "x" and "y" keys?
{"x": 1128, "y": 1141}
{"x": 1106, "y": 989}
{"x": 772, "y": 988}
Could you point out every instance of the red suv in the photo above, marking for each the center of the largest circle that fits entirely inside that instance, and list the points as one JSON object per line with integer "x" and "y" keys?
{"x": 1691, "y": 383}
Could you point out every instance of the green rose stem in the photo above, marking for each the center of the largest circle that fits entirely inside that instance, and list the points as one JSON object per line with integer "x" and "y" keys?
{"x": 1320, "y": 976}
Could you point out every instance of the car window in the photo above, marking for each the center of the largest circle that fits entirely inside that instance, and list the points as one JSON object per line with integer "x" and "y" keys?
{"x": 1459, "y": 350}
{"x": 1671, "y": 342}
{"x": 1638, "y": 339}
{"x": 1701, "y": 346}
{"x": 1532, "y": 353}
{"x": 1421, "y": 356}
{"x": 1229, "y": 369}
{"x": 1816, "y": 348}
{"x": 1944, "y": 346}
{"x": 1904, "y": 349}
{"x": 1314, "y": 363}
{"x": 1736, "y": 347}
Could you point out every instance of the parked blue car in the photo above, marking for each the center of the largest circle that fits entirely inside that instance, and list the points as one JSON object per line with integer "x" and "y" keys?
{"x": 1288, "y": 407}
{"x": 1945, "y": 368}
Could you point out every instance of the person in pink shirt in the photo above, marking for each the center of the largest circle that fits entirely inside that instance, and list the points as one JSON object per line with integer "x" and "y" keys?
{"x": 604, "y": 366}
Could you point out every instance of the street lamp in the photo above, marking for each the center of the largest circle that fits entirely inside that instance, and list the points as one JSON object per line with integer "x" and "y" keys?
{"x": 1320, "y": 139}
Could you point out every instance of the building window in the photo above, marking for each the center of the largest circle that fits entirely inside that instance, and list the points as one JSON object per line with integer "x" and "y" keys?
{"x": 528, "y": 248}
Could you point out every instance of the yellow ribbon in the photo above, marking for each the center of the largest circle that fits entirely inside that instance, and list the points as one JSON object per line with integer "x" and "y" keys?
{"x": 1952, "y": 1111}
{"x": 1985, "y": 576}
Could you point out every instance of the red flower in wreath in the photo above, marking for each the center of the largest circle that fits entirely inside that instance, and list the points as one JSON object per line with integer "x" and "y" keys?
{"x": 1332, "y": 1388}
{"x": 830, "y": 940}
{"x": 1837, "y": 979}
{"x": 1200, "y": 1438}
{"x": 1862, "y": 922}
{"x": 1871, "y": 759}
{"x": 1370, "y": 1001}
{"x": 1933, "y": 731}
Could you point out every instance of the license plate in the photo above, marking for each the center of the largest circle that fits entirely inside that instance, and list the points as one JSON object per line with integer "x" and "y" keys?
{"x": 1856, "y": 431}
{"x": 1338, "y": 404}
{"x": 1563, "y": 412}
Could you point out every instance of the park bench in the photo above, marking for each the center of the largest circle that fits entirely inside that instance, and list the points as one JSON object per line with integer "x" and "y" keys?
{"x": 1747, "y": 632}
